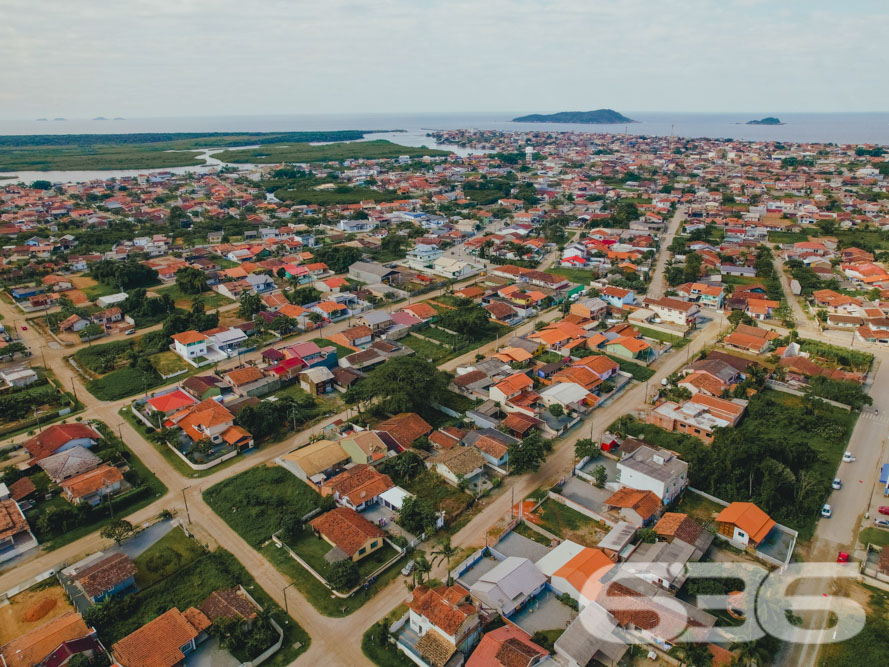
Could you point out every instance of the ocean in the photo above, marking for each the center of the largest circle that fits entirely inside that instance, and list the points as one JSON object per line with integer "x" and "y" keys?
{"x": 842, "y": 128}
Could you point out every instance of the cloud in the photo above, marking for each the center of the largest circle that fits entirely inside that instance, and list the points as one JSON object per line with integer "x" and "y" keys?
{"x": 225, "y": 57}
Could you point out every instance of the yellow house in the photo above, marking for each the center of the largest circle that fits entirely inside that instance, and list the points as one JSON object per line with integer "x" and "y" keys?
{"x": 350, "y": 533}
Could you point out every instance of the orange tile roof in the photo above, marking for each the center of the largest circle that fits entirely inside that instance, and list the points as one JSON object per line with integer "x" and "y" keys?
{"x": 444, "y": 607}
{"x": 749, "y": 518}
{"x": 32, "y": 647}
{"x": 158, "y": 643}
{"x": 189, "y": 337}
{"x": 586, "y": 568}
{"x": 514, "y": 384}
{"x": 404, "y": 428}
{"x": 421, "y": 310}
{"x": 206, "y": 414}
{"x": 90, "y": 482}
{"x": 634, "y": 345}
{"x": 644, "y": 503}
{"x": 242, "y": 376}
{"x": 347, "y": 529}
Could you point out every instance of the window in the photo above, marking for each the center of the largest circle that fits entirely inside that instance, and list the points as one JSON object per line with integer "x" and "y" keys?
{"x": 373, "y": 545}
{"x": 361, "y": 551}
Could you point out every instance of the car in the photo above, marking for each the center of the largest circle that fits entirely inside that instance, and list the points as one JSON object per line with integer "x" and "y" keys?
{"x": 883, "y": 509}
{"x": 24, "y": 328}
{"x": 837, "y": 484}
{"x": 848, "y": 458}
{"x": 882, "y": 523}
{"x": 130, "y": 332}
{"x": 842, "y": 557}
{"x": 408, "y": 568}
{"x": 826, "y": 511}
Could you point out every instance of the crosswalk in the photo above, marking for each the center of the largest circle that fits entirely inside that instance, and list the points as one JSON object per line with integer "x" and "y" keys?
{"x": 870, "y": 415}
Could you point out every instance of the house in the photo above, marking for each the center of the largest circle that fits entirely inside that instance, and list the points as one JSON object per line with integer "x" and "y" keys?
{"x": 574, "y": 570}
{"x": 364, "y": 447}
{"x": 107, "y": 316}
{"x": 350, "y": 534}
{"x": 15, "y": 533}
{"x": 93, "y": 486}
{"x": 750, "y": 339}
{"x": 458, "y": 464}
{"x": 709, "y": 296}
{"x": 59, "y": 437}
{"x": 212, "y": 421}
{"x": 73, "y": 323}
{"x": 376, "y": 320}
{"x": 664, "y": 564}
{"x": 316, "y": 381}
{"x": 52, "y": 643}
{"x": 357, "y": 487}
{"x": 445, "y": 620}
{"x": 676, "y": 526}
{"x": 594, "y": 637}
{"x": 492, "y": 444}
{"x": 698, "y": 416}
{"x": 656, "y": 470}
{"x": 420, "y": 310}
{"x": 508, "y": 586}
{"x": 171, "y": 402}
{"x": 372, "y": 272}
{"x": 744, "y": 524}
{"x": 106, "y": 577}
{"x": 19, "y": 377}
{"x": 636, "y": 507}
{"x": 591, "y": 308}
{"x": 453, "y": 269}
{"x": 507, "y": 646}
{"x": 163, "y": 642}
{"x": 569, "y": 395}
{"x": 355, "y": 337}
{"x": 618, "y": 297}
{"x": 251, "y": 381}
{"x": 401, "y": 430}
{"x": 627, "y": 347}
{"x": 203, "y": 387}
{"x": 230, "y": 603}
{"x": 69, "y": 463}
{"x": 190, "y": 344}
{"x": 315, "y": 462}
{"x": 675, "y": 311}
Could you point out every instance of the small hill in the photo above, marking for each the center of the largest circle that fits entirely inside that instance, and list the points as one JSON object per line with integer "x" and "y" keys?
{"x": 597, "y": 117}
{"x": 769, "y": 120}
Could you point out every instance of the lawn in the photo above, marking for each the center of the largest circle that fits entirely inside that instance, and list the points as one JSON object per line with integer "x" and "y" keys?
{"x": 167, "y": 363}
{"x": 678, "y": 342}
{"x": 579, "y": 276}
{"x": 341, "y": 350}
{"x": 425, "y": 348}
{"x": 97, "y": 289}
{"x": 569, "y": 524}
{"x": 122, "y": 383}
{"x": 872, "y": 641}
{"x": 312, "y": 549}
{"x": 378, "y": 649}
{"x": 443, "y": 496}
{"x": 189, "y": 587}
{"x": 457, "y": 402}
{"x": 170, "y": 553}
{"x": 318, "y": 595}
{"x": 699, "y": 507}
{"x": 787, "y": 237}
{"x": 212, "y": 300}
{"x": 255, "y": 502}
{"x": 524, "y": 531}
{"x": 875, "y": 536}
{"x": 638, "y": 371}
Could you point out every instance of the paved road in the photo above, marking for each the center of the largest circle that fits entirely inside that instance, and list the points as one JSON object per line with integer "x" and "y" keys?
{"x": 658, "y": 285}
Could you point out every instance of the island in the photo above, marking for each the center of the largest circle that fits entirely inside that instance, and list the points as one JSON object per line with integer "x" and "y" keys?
{"x": 597, "y": 117}
{"x": 100, "y": 118}
{"x": 769, "y": 120}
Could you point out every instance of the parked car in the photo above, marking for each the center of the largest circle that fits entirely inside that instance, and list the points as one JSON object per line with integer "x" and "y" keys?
{"x": 842, "y": 557}
{"x": 408, "y": 568}
{"x": 826, "y": 511}
{"x": 837, "y": 484}
{"x": 130, "y": 332}
{"x": 883, "y": 509}
{"x": 882, "y": 523}
{"x": 848, "y": 458}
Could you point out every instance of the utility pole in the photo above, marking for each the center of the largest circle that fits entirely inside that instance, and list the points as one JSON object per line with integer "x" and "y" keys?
{"x": 284, "y": 593}
{"x": 185, "y": 500}
{"x": 73, "y": 388}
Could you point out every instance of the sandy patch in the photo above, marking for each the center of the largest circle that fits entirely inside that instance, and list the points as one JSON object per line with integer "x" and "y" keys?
{"x": 40, "y": 605}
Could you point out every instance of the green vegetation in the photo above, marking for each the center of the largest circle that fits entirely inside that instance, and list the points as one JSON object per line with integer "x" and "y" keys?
{"x": 597, "y": 117}
{"x": 875, "y": 536}
{"x": 782, "y": 456}
{"x": 181, "y": 300}
{"x": 579, "y": 276}
{"x": 678, "y": 342}
{"x": 872, "y": 641}
{"x": 136, "y": 151}
{"x": 271, "y": 154}
{"x": 189, "y": 587}
{"x": 122, "y": 383}
{"x": 848, "y": 392}
{"x": 170, "y": 553}
{"x": 787, "y": 237}
{"x": 341, "y": 351}
{"x": 403, "y": 384}
{"x": 836, "y": 355}
{"x": 426, "y": 349}
{"x": 377, "y": 648}
{"x": 256, "y": 502}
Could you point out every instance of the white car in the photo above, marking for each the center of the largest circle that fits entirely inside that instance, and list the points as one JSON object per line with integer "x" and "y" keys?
{"x": 826, "y": 511}
{"x": 848, "y": 458}
{"x": 837, "y": 484}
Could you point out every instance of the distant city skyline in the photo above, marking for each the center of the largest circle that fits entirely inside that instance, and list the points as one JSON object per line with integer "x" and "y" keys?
{"x": 196, "y": 58}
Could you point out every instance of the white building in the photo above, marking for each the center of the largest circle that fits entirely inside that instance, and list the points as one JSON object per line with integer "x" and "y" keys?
{"x": 655, "y": 470}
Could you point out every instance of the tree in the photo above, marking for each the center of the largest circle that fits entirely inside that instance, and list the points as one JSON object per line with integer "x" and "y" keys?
{"x": 647, "y": 535}
{"x": 91, "y": 331}
{"x": 445, "y": 551}
{"x": 600, "y": 476}
{"x": 250, "y": 304}
{"x": 556, "y": 410}
{"x": 751, "y": 653}
{"x": 124, "y": 275}
{"x": 303, "y": 295}
{"x": 292, "y": 527}
{"x": 585, "y": 447}
{"x": 118, "y": 530}
{"x": 697, "y": 655}
{"x": 422, "y": 567}
{"x": 191, "y": 280}
{"x": 404, "y": 384}
{"x": 417, "y": 515}
{"x": 527, "y": 454}
{"x": 343, "y": 575}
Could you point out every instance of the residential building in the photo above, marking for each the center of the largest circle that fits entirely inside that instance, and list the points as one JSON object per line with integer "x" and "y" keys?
{"x": 364, "y": 447}
{"x": 449, "y": 620}
{"x": 744, "y": 524}
{"x": 15, "y": 533}
{"x": 656, "y": 470}
{"x": 350, "y": 534}
{"x": 190, "y": 344}
{"x": 106, "y": 577}
{"x": 508, "y": 586}
{"x": 316, "y": 461}
{"x": 698, "y": 416}
{"x": 674, "y": 311}
{"x": 458, "y": 464}
{"x": 163, "y": 642}
{"x": 58, "y": 438}
{"x": 401, "y": 430}
{"x": 93, "y": 486}
{"x": 357, "y": 487}
{"x": 636, "y": 507}
{"x": 507, "y": 646}
{"x": 52, "y": 643}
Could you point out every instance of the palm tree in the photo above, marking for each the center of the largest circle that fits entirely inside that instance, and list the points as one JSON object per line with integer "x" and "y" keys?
{"x": 422, "y": 567}
{"x": 750, "y": 653}
{"x": 447, "y": 551}
{"x": 697, "y": 655}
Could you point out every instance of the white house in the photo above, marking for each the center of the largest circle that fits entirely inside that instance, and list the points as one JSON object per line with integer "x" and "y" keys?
{"x": 655, "y": 470}
{"x": 454, "y": 269}
{"x": 422, "y": 256}
{"x": 675, "y": 311}
{"x": 190, "y": 344}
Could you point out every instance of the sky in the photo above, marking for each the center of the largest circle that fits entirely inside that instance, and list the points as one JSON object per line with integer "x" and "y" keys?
{"x": 141, "y": 58}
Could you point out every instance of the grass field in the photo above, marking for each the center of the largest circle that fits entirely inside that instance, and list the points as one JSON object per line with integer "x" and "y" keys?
{"x": 212, "y": 300}
{"x": 170, "y": 553}
{"x": 787, "y": 237}
{"x": 580, "y": 276}
{"x": 122, "y": 383}
{"x": 326, "y": 153}
{"x": 255, "y": 502}
{"x": 877, "y": 536}
{"x": 341, "y": 351}
{"x": 678, "y": 342}
{"x": 569, "y": 524}
{"x": 167, "y": 363}
{"x": 425, "y": 348}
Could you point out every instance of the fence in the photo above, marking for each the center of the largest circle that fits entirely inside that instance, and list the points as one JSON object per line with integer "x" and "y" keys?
{"x": 271, "y": 650}
{"x": 787, "y": 389}
{"x": 595, "y": 516}
{"x": 191, "y": 464}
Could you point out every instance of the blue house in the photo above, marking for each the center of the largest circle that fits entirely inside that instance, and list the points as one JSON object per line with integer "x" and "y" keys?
{"x": 109, "y": 576}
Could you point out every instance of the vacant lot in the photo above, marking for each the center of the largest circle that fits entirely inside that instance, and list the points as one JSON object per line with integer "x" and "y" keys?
{"x": 255, "y": 502}
{"x": 32, "y": 608}
{"x": 569, "y": 524}
{"x": 169, "y": 554}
